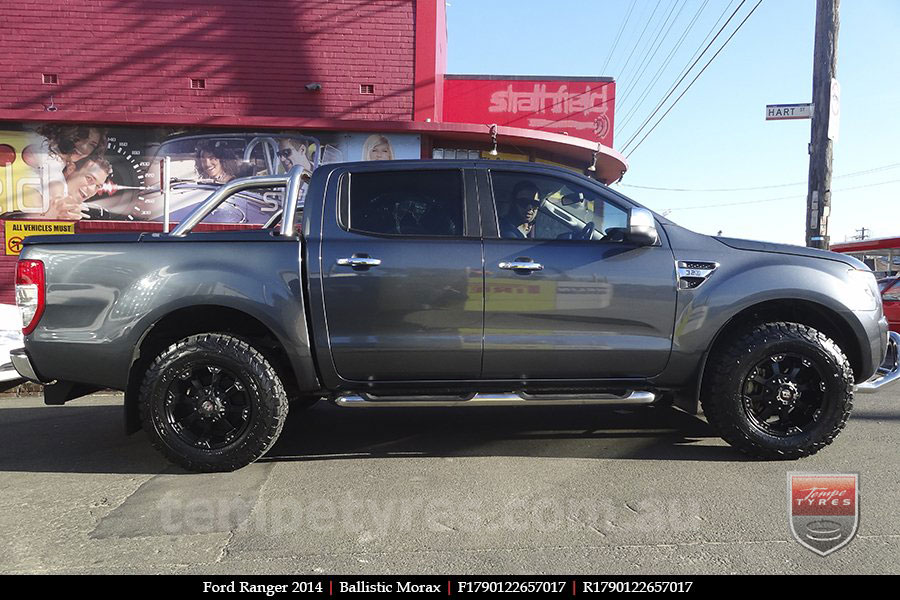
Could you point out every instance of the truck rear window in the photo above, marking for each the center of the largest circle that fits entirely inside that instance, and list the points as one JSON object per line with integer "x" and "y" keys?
{"x": 407, "y": 203}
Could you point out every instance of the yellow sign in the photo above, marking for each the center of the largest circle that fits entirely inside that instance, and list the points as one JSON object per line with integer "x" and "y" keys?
{"x": 16, "y": 231}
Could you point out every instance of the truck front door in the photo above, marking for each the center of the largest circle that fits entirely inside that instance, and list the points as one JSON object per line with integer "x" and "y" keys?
{"x": 402, "y": 275}
{"x": 563, "y": 298}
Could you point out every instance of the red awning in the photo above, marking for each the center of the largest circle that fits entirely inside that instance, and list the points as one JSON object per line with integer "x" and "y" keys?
{"x": 875, "y": 246}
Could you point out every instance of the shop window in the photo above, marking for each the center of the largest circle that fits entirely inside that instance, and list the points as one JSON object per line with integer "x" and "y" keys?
{"x": 455, "y": 154}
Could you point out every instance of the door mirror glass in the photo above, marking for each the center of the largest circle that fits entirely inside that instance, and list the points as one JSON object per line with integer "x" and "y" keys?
{"x": 572, "y": 199}
{"x": 642, "y": 227}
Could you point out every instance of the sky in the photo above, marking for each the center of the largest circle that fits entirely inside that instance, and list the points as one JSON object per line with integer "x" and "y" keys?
{"x": 717, "y": 137}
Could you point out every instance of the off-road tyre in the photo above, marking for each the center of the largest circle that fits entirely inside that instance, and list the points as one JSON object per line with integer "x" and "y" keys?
{"x": 734, "y": 370}
{"x": 259, "y": 402}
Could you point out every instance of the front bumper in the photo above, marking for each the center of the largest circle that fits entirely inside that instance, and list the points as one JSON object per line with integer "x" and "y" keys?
{"x": 888, "y": 372}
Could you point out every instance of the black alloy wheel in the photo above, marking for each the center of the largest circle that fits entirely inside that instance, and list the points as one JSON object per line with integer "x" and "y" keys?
{"x": 212, "y": 402}
{"x": 777, "y": 390}
{"x": 208, "y": 406}
{"x": 783, "y": 394}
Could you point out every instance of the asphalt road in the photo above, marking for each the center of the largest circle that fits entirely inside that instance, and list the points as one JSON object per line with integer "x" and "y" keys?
{"x": 470, "y": 490}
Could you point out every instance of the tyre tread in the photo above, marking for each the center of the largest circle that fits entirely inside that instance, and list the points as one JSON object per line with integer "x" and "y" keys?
{"x": 274, "y": 408}
{"x": 717, "y": 386}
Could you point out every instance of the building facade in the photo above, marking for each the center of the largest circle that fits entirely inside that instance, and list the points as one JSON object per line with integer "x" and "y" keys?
{"x": 96, "y": 97}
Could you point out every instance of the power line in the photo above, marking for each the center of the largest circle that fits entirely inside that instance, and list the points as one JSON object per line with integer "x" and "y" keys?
{"x": 638, "y": 42}
{"x": 618, "y": 36}
{"x": 660, "y": 39}
{"x": 686, "y": 71}
{"x": 694, "y": 80}
{"x": 724, "y": 204}
{"x": 695, "y": 57}
{"x": 792, "y": 197}
{"x": 655, "y": 78}
{"x": 760, "y": 187}
{"x": 866, "y": 185}
{"x": 684, "y": 74}
{"x": 652, "y": 41}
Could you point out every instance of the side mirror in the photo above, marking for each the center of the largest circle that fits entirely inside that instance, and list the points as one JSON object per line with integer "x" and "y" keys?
{"x": 642, "y": 227}
{"x": 573, "y": 198}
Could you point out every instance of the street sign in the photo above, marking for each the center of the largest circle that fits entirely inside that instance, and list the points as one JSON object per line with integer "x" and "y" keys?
{"x": 781, "y": 112}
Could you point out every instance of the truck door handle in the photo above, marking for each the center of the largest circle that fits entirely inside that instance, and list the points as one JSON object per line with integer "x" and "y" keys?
{"x": 521, "y": 265}
{"x": 359, "y": 261}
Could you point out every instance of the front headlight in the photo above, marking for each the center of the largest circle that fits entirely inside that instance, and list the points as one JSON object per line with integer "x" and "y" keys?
{"x": 863, "y": 289}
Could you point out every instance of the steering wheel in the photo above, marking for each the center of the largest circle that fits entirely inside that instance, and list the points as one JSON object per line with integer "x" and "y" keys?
{"x": 587, "y": 232}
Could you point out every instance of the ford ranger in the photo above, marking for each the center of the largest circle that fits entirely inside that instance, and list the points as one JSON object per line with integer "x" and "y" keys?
{"x": 436, "y": 283}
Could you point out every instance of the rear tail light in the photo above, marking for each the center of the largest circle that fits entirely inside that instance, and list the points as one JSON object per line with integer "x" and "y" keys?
{"x": 30, "y": 293}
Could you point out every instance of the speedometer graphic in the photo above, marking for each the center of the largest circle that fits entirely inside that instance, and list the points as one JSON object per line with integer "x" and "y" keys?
{"x": 123, "y": 195}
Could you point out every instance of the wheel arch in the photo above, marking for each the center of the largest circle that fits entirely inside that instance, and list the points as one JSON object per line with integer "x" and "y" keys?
{"x": 186, "y": 321}
{"x": 805, "y": 312}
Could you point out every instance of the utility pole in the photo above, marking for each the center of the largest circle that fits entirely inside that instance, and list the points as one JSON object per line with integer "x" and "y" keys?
{"x": 861, "y": 234}
{"x": 818, "y": 199}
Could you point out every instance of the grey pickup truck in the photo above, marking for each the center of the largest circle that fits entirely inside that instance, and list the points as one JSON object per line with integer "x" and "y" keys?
{"x": 436, "y": 283}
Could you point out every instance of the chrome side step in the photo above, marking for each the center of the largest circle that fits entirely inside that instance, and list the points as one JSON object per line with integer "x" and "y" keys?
{"x": 496, "y": 399}
{"x": 889, "y": 371}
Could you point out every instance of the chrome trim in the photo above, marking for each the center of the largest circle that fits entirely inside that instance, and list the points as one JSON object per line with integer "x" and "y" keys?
{"x": 220, "y": 195}
{"x": 517, "y": 265}
{"x": 276, "y": 216}
{"x": 496, "y": 399}
{"x": 291, "y": 197}
{"x": 685, "y": 271}
{"x": 889, "y": 371}
{"x": 359, "y": 261}
{"x": 641, "y": 224}
{"x": 292, "y": 182}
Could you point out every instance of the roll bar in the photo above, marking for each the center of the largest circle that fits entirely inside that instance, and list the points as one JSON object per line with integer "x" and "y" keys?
{"x": 292, "y": 182}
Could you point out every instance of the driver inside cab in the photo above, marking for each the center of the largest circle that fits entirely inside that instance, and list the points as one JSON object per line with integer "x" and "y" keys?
{"x": 519, "y": 220}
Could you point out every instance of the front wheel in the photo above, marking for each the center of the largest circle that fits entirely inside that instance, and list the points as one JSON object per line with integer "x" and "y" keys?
{"x": 212, "y": 402}
{"x": 779, "y": 390}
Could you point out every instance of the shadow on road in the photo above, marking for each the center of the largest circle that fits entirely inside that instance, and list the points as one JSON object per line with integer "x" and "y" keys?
{"x": 330, "y": 433}
{"x": 90, "y": 439}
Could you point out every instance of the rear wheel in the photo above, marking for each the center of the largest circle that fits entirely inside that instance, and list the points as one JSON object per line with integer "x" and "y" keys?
{"x": 779, "y": 390}
{"x": 212, "y": 402}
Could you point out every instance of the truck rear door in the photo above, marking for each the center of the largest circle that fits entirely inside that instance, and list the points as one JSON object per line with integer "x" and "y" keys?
{"x": 401, "y": 273}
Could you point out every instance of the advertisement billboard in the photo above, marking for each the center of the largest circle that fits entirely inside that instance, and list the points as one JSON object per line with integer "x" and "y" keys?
{"x": 581, "y": 107}
{"x": 54, "y": 172}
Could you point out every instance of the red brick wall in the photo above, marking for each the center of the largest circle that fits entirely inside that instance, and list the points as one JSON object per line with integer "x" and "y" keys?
{"x": 138, "y": 56}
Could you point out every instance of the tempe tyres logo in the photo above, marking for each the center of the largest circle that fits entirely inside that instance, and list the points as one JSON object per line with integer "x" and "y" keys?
{"x": 823, "y": 510}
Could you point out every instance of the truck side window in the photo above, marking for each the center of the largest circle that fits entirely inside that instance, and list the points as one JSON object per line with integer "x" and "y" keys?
{"x": 408, "y": 203}
{"x": 546, "y": 208}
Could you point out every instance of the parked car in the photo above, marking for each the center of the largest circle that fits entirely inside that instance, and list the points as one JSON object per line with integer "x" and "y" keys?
{"x": 890, "y": 297}
{"x": 10, "y": 339}
{"x": 404, "y": 283}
